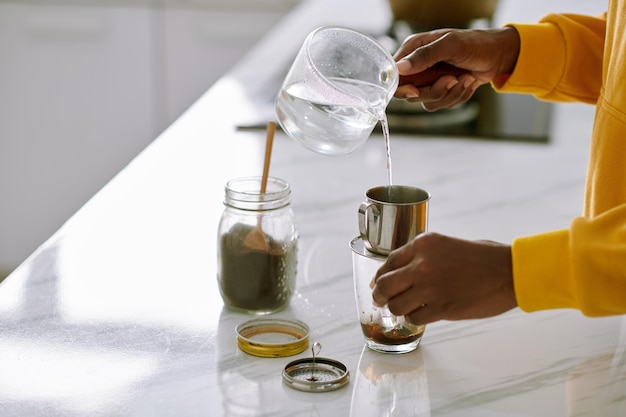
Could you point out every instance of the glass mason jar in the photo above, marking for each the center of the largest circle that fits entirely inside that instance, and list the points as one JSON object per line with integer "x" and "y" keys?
{"x": 257, "y": 246}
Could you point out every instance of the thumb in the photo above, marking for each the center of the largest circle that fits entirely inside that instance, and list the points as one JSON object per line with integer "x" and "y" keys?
{"x": 396, "y": 259}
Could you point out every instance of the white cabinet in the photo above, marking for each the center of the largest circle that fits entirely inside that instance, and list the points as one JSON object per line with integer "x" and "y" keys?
{"x": 202, "y": 44}
{"x": 83, "y": 89}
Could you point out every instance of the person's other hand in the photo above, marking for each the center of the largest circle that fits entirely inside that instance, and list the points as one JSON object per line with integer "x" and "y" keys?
{"x": 436, "y": 277}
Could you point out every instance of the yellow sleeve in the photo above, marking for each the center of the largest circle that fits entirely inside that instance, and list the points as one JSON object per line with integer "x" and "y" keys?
{"x": 583, "y": 267}
{"x": 560, "y": 58}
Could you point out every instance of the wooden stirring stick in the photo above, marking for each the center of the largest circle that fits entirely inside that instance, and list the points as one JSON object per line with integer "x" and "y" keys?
{"x": 256, "y": 239}
{"x": 269, "y": 140}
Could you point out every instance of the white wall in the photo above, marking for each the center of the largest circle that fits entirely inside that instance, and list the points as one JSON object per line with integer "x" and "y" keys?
{"x": 86, "y": 85}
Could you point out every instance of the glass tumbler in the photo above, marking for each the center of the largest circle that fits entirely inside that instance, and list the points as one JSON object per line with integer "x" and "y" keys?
{"x": 383, "y": 331}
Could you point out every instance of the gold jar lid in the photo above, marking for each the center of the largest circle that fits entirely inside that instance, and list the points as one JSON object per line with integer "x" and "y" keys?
{"x": 273, "y": 337}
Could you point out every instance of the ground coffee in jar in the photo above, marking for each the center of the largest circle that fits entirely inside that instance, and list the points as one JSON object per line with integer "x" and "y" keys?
{"x": 257, "y": 275}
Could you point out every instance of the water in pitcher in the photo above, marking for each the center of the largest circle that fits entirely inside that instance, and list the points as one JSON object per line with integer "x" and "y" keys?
{"x": 325, "y": 126}
{"x": 333, "y": 129}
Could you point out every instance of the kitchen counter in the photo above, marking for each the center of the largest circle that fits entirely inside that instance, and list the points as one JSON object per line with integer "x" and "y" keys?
{"x": 118, "y": 313}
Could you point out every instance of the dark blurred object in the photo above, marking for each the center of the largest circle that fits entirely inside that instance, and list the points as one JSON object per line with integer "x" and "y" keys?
{"x": 430, "y": 14}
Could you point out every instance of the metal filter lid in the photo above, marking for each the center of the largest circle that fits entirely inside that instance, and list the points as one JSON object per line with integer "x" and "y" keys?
{"x": 273, "y": 338}
{"x": 315, "y": 374}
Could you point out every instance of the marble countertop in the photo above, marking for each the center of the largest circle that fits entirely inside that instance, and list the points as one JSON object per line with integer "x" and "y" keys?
{"x": 118, "y": 313}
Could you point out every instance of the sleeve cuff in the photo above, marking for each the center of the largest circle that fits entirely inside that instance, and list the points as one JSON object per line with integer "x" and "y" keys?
{"x": 540, "y": 46}
{"x": 540, "y": 272}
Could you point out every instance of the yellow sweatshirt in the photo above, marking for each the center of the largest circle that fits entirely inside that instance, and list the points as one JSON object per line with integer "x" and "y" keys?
{"x": 579, "y": 58}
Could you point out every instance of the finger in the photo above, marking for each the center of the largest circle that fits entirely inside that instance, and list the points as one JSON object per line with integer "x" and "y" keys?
{"x": 441, "y": 48}
{"x": 427, "y": 312}
{"x": 396, "y": 259}
{"x": 464, "y": 93}
{"x": 414, "y": 63}
{"x": 407, "y": 46}
{"x": 391, "y": 284}
{"x": 407, "y": 91}
{"x": 459, "y": 93}
{"x": 424, "y": 314}
{"x": 442, "y": 90}
{"x": 415, "y": 41}
{"x": 408, "y": 301}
